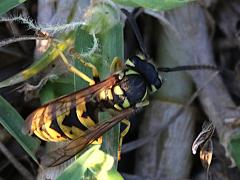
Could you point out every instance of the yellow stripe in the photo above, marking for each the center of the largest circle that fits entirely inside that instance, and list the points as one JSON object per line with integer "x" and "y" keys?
{"x": 76, "y": 132}
{"x": 87, "y": 122}
{"x": 41, "y": 118}
{"x": 117, "y": 90}
{"x": 126, "y": 103}
{"x": 117, "y": 107}
{"x": 44, "y": 134}
{"x": 109, "y": 94}
{"x": 106, "y": 94}
{"x": 128, "y": 72}
{"x": 71, "y": 132}
{"x": 145, "y": 95}
{"x": 40, "y": 135}
{"x": 67, "y": 130}
{"x": 37, "y": 118}
{"x": 54, "y": 134}
{"x": 130, "y": 63}
{"x": 141, "y": 57}
{"x": 154, "y": 89}
{"x": 102, "y": 95}
{"x": 65, "y": 107}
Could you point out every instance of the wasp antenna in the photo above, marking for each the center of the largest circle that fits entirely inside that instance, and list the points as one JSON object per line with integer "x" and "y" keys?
{"x": 136, "y": 31}
{"x": 188, "y": 68}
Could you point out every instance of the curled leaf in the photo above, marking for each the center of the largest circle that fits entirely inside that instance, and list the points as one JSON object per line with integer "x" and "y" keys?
{"x": 206, "y": 153}
{"x": 204, "y": 136}
{"x": 206, "y": 147}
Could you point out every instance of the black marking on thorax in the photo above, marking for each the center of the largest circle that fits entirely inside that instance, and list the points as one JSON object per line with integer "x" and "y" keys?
{"x": 134, "y": 88}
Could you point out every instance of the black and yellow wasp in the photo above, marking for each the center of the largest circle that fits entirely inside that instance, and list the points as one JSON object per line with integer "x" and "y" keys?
{"x": 75, "y": 116}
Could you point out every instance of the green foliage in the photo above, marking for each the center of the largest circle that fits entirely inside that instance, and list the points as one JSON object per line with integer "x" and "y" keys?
{"x": 156, "y": 5}
{"x": 83, "y": 42}
{"x": 6, "y": 5}
{"x": 13, "y": 123}
{"x": 95, "y": 161}
{"x": 101, "y": 18}
{"x": 234, "y": 148}
{"x": 112, "y": 46}
{"x": 48, "y": 57}
{"x": 109, "y": 44}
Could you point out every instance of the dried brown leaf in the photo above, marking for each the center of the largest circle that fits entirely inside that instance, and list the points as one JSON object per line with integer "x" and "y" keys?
{"x": 204, "y": 136}
{"x": 206, "y": 153}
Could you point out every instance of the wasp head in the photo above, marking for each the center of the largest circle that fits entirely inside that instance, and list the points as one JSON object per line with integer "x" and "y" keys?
{"x": 147, "y": 70}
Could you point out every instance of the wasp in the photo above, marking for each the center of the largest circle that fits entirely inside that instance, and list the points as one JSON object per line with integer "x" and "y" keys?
{"x": 75, "y": 116}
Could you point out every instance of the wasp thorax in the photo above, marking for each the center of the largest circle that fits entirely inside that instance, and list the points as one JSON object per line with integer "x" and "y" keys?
{"x": 147, "y": 70}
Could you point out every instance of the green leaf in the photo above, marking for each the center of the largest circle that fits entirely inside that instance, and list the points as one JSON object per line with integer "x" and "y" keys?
{"x": 94, "y": 160}
{"x": 83, "y": 42}
{"x": 13, "y": 123}
{"x": 48, "y": 57}
{"x": 126, "y": 3}
{"x": 6, "y": 5}
{"x": 156, "y": 5}
{"x": 112, "y": 46}
{"x": 47, "y": 93}
{"x": 101, "y": 18}
{"x": 234, "y": 148}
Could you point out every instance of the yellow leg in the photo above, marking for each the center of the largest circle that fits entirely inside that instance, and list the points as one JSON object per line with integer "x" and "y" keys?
{"x": 74, "y": 70}
{"x": 116, "y": 65}
{"x": 95, "y": 73}
{"x": 123, "y": 133}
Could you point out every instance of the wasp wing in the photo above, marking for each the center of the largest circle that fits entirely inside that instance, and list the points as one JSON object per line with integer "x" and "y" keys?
{"x": 66, "y": 152}
{"x": 63, "y": 105}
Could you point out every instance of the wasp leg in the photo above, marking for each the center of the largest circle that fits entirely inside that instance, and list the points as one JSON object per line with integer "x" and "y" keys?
{"x": 74, "y": 70}
{"x": 123, "y": 133}
{"x": 116, "y": 65}
{"x": 95, "y": 73}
